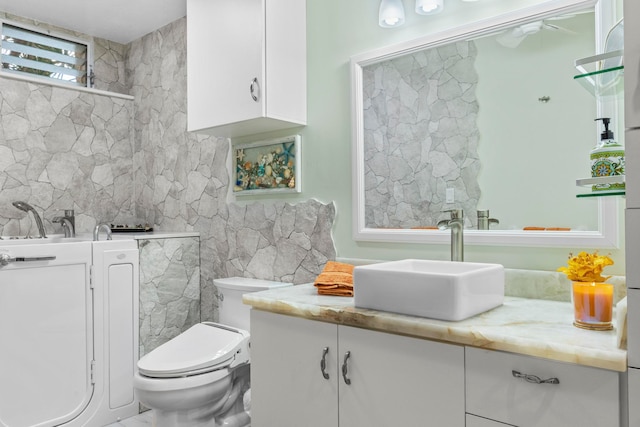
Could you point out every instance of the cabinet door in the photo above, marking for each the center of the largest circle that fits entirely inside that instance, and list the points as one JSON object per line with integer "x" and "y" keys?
{"x": 287, "y": 385}
{"x": 634, "y": 397}
{"x": 399, "y": 381}
{"x": 225, "y": 54}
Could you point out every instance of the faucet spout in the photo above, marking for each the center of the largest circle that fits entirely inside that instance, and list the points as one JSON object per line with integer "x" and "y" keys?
{"x": 26, "y": 207}
{"x": 96, "y": 232}
{"x": 68, "y": 222}
{"x": 457, "y": 239}
{"x": 456, "y": 225}
{"x": 484, "y": 222}
{"x": 67, "y": 226}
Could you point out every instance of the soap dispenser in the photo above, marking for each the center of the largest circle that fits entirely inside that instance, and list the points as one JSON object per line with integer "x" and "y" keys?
{"x": 607, "y": 159}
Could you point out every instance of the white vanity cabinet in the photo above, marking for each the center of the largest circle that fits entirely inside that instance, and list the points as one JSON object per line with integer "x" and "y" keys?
{"x": 246, "y": 69}
{"x": 394, "y": 380}
{"x": 502, "y": 387}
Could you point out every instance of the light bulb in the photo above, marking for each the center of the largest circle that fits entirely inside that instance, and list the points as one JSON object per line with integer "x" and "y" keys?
{"x": 429, "y": 7}
{"x": 391, "y": 13}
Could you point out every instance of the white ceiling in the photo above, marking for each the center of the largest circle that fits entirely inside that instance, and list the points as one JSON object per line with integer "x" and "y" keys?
{"x": 121, "y": 21}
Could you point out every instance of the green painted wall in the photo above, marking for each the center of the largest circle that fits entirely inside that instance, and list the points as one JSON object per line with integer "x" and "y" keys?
{"x": 337, "y": 30}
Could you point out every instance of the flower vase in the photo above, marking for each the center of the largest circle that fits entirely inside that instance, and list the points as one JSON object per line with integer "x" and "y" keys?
{"x": 593, "y": 305}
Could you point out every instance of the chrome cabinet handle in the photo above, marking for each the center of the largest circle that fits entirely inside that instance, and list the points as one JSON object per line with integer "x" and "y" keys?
{"x": 345, "y": 368}
{"x": 535, "y": 379}
{"x": 255, "y": 94}
{"x": 323, "y": 363}
{"x": 6, "y": 259}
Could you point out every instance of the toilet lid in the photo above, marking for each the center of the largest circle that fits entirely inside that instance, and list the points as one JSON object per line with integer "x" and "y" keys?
{"x": 202, "y": 348}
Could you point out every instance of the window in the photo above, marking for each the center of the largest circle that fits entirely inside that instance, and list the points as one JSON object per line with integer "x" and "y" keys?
{"x": 31, "y": 53}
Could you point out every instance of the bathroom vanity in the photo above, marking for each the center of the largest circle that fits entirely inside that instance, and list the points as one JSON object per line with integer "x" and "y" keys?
{"x": 320, "y": 359}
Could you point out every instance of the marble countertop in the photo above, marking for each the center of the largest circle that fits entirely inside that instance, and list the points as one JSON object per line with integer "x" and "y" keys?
{"x": 524, "y": 326}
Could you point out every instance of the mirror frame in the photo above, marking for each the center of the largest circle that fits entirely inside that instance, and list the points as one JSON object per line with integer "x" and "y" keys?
{"x": 607, "y": 235}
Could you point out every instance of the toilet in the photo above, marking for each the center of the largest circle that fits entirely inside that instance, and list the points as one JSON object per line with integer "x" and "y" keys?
{"x": 201, "y": 377}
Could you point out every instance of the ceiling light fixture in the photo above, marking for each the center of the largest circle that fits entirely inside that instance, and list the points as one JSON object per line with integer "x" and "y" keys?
{"x": 429, "y": 7}
{"x": 391, "y": 13}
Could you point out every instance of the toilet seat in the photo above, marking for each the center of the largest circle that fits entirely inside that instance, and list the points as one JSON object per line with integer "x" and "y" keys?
{"x": 203, "y": 348}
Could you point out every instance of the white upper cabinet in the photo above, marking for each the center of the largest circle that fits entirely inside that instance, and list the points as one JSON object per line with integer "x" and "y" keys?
{"x": 246, "y": 66}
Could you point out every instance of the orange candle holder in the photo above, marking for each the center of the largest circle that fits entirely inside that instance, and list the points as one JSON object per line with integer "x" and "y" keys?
{"x": 593, "y": 305}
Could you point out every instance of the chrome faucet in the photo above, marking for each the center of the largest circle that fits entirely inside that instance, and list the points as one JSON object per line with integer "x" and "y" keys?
{"x": 484, "y": 221}
{"x": 26, "y": 207}
{"x": 456, "y": 225}
{"x": 68, "y": 222}
{"x": 96, "y": 232}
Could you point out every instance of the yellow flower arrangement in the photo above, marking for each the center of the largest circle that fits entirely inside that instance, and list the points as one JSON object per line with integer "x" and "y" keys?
{"x": 586, "y": 267}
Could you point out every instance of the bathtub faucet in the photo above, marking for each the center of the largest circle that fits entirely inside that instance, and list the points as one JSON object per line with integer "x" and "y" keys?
{"x": 68, "y": 222}
{"x": 96, "y": 232}
{"x": 26, "y": 207}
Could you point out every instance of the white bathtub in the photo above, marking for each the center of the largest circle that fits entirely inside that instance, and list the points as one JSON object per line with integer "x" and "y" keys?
{"x": 68, "y": 331}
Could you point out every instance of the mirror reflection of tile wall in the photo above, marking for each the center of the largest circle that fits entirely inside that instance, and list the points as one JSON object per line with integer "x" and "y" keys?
{"x": 421, "y": 136}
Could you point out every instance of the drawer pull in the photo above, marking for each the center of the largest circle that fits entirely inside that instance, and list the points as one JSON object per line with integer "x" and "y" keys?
{"x": 534, "y": 379}
{"x": 345, "y": 368}
{"x": 255, "y": 93}
{"x": 323, "y": 363}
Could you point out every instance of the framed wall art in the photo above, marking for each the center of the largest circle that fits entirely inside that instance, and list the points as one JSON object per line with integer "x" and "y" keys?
{"x": 263, "y": 167}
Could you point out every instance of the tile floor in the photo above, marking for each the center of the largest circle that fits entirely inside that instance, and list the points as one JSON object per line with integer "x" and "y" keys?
{"x": 142, "y": 420}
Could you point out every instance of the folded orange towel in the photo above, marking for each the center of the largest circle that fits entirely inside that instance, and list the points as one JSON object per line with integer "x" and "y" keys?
{"x": 338, "y": 266}
{"x": 336, "y": 279}
{"x": 338, "y": 292}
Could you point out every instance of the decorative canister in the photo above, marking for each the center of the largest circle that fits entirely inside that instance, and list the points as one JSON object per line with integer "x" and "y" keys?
{"x": 607, "y": 159}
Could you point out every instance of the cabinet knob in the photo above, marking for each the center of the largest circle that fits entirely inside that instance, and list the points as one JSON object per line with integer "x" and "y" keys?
{"x": 534, "y": 379}
{"x": 345, "y": 368}
{"x": 254, "y": 89}
{"x": 323, "y": 363}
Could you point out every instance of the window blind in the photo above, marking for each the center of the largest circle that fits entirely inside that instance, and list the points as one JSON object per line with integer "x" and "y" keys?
{"x": 31, "y": 53}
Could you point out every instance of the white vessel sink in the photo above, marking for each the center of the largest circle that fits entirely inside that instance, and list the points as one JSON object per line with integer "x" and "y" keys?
{"x": 442, "y": 290}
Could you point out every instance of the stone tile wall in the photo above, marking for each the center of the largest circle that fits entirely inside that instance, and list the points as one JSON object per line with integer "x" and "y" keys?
{"x": 63, "y": 149}
{"x": 420, "y": 136}
{"x": 169, "y": 289}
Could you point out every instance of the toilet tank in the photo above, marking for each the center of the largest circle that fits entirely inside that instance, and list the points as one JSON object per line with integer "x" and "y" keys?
{"x": 232, "y": 311}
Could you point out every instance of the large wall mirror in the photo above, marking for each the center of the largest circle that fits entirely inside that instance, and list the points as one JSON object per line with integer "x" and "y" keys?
{"x": 485, "y": 116}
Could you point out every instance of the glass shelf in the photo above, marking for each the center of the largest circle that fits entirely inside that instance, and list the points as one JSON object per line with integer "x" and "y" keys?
{"x": 601, "y": 193}
{"x": 601, "y": 75}
{"x": 604, "y": 180}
